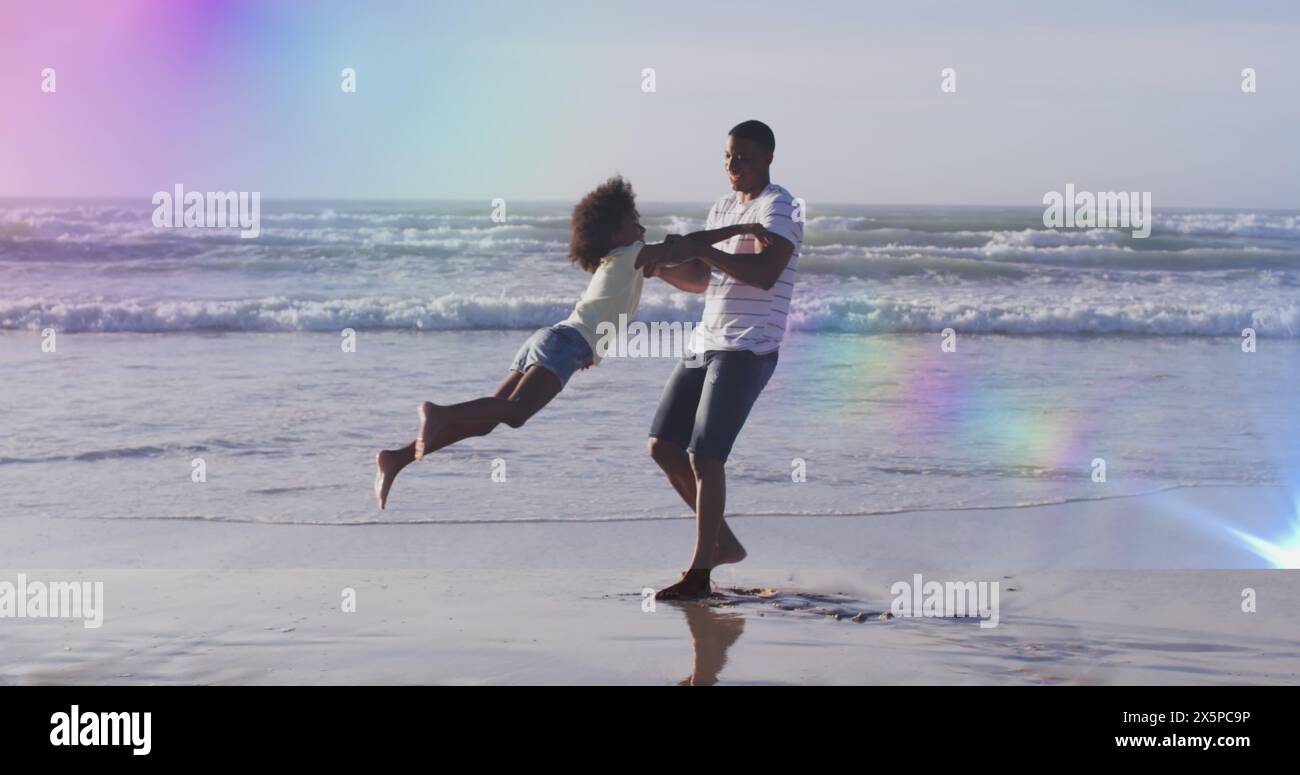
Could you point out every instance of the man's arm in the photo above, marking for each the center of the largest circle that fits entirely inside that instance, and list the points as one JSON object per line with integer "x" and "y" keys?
{"x": 714, "y": 236}
{"x": 761, "y": 270}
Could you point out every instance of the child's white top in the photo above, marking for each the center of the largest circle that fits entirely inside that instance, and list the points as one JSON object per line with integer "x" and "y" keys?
{"x": 615, "y": 289}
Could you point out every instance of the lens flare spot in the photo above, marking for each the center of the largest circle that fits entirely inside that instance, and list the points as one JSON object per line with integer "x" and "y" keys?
{"x": 1284, "y": 552}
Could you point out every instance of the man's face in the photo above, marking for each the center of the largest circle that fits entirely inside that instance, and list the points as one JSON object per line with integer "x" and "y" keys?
{"x": 746, "y": 162}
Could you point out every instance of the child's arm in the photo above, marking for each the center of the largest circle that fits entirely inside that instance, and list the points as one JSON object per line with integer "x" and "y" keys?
{"x": 670, "y": 261}
{"x": 691, "y": 276}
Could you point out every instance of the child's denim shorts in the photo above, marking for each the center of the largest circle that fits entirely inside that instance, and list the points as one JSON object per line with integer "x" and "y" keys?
{"x": 559, "y": 349}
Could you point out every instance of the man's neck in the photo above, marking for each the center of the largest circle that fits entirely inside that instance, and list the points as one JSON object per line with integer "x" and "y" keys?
{"x": 745, "y": 197}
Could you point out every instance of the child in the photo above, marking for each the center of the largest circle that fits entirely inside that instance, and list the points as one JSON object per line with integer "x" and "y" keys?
{"x": 607, "y": 241}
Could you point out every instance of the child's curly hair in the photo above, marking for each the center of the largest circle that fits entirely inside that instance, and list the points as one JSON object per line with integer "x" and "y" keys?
{"x": 597, "y": 218}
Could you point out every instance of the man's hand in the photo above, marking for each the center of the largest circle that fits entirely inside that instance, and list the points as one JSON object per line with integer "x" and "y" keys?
{"x": 672, "y": 251}
{"x": 679, "y": 249}
{"x": 646, "y": 260}
{"x": 757, "y": 231}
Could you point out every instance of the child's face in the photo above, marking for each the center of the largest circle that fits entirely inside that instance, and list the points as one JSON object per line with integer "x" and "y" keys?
{"x": 632, "y": 230}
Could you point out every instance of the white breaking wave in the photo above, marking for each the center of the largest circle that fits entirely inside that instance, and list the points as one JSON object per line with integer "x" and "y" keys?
{"x": 1220, "y": 224}
{"x": 1268, "y": 225}
{"x": 858, "y": 314}
{"x": 1069, "y": 316}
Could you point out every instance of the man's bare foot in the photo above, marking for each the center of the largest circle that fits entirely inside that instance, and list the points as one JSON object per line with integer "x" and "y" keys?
{"x": 428, "y": 427}
{"x": 694, "y": 583}
{"x": 387, "y": 465}
{"x": 728, "y": 550}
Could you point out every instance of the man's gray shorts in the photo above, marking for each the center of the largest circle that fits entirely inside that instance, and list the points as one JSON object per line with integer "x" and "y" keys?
{"x": 704, "y": 406}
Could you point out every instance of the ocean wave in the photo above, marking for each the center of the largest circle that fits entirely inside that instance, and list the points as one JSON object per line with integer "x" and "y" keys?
{"x": 1192, "y": 240}
{"x": 143, "y": 451}
{"x": 1245, "y": 224}
{"x": 1068, "y": 316}
{"x": 1005, "y": 256}
{"x": 136, "y": 225}
{"x": 857, "y": 313}
{"x": 1016, "y": 252}
{"x": 449, "y": 312}
{"x": 1207, "y": 224}
{"x": 416, "y": 219}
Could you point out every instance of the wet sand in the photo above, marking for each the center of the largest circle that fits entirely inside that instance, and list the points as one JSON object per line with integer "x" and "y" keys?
{"x": 227, "y": 603}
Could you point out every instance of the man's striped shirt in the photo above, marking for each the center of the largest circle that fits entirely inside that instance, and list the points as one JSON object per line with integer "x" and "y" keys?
{"x": 745, "y": 317}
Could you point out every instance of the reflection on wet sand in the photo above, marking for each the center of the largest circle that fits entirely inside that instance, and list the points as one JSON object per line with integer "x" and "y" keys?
{"x": 717, "y": 621}
{"x": 712, "y": 633}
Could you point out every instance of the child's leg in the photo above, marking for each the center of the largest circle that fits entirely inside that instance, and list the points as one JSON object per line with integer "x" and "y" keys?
{"x": 464, "y": 430}
{"x": 390, "y": 462}
{"x": 444, "y": 425}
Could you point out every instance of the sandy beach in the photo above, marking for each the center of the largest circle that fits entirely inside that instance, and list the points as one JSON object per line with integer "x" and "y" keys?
{"x": 192, "y": 602}
{"x": 864, "y": 344}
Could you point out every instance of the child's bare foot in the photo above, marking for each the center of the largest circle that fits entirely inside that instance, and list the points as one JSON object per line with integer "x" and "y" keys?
{"x": 387, "y": 465}
{"x": 428, "y": 426}
{"x": 728, "y": 550}
{"x": 694, "y": 583}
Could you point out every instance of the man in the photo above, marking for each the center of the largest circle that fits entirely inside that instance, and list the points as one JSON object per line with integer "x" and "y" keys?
{"x": 747, "y": 286}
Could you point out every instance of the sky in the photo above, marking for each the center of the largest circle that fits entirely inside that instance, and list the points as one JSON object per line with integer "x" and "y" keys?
{"x": 540, "y": 101}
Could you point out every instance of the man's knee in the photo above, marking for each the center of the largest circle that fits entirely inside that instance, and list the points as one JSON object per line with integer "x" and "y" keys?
{"x": 665, "y": 452}
{"x": 707, "y": 467}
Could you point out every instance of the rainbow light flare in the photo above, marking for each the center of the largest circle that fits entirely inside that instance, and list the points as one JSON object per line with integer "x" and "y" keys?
{"x": 919, "y": 390}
